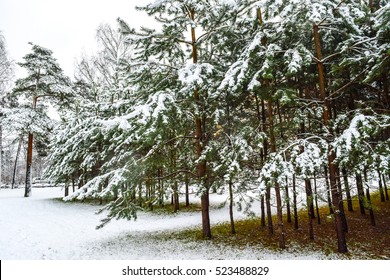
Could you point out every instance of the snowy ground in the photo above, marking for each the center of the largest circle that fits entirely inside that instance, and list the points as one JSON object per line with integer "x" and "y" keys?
{"x": 41, "y": 227}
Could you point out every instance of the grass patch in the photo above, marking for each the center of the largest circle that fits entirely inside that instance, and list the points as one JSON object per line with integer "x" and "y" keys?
{"x": 364, "y": 240}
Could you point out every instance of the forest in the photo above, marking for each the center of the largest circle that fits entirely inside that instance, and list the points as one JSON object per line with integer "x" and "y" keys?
{"x": 265, "y": 102}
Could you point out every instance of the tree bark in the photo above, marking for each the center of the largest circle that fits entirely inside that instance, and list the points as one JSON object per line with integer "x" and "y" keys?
{"x": 385, "y": 187}
{"x": 199, "y": 135}
{"x": 381, "y": 192}
{"x": 369, "y": 204}
{"x": 316, "y": 201}
{"x": 296, "y": 225}
{"x": 27, "y": 191}
{"x": 347, "y": 189}
{"x": 359, "y": 186}
{"x": 232, "y": 226}
{"x": 288, "y": 203}
{"x": 16, "y": 161}
{"x": 187, "y": 183}
{"x": 328, "y": 190}
{"x": 309, "y": 203}
{"x": 341, "y": 241}
{"x": 281, "y": 232}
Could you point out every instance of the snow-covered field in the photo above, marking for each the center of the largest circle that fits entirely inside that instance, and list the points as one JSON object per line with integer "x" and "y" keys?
{"x": 41, "y": 227}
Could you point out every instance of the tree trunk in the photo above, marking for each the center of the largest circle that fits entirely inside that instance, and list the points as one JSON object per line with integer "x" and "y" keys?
{"x": 279, "y": 212}
{"x": 296, "y": 225}
{"x": 381, "y": 192}
{"x": 262, "y": 208}
{"x": 263, "y": 153}
{"x": 233, "y": 229}
{"x": 309, "y": 203}
{"x": 341, "y": 241}
{"x": 288, "y": 203}
{"x": 187, "y": 183}
{"x": 347, "y": 189}
{"x": 342, "y": 211}
{"x": 316, "y": 201}
{"x": 328, "y": 190}
{"x": 27, "y": 192}
{"x": 66, "y": 189}
{"x": 16, "y": 161}
{"x": 199, "y": 143}
{"x": 359, "y": 186}
{"x": 385, "y": 187}
{"x": 369, "y": 204}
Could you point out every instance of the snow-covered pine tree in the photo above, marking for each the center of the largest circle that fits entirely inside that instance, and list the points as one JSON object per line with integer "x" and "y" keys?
{"x": 45, "y": 80}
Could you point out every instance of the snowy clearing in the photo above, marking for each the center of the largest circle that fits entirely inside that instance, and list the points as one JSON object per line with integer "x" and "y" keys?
{"x": 41, "y": 227}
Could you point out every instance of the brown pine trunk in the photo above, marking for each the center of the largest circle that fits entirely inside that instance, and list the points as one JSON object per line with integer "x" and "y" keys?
{"x": 199, "y": 131}
{"x": 27, "y": 192}
{"x": 16, "y": 161}
{"x": 279, "y": 211}
{"x": 347, "y": 189}
{"x": 385, "y": 187}
{"x": 265, "y": 144}
{"x": 262, "y": 208}
{"x": 328, "y": 190}
{"x": 316, "y": 201}
{"x": 369, "y": 204}
{"x": 359, "y": 186}
{"x": 381, "y": 192}
{"x": 232, "y": 226}
{"x": 296, "y": 225}
{"x": 66, "y": 189}
{"x": 288, "y": 203}
{"x": 309, "y": 203}
{"x": 263, "y": 153}
{"x": 341, "y": 241}
{"x": 342, "y": 211}
{"x": 187, "y": 183}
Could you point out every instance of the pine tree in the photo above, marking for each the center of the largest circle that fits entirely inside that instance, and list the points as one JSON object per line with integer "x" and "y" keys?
{"x": 46, "y": 80}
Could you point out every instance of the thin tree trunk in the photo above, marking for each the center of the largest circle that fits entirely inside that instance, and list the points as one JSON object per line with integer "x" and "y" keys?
{"x": 288, "y": 203}
{"x": 309, "y": 203}
{"x": 328, "y": 190}
{"x": 347, "y": 189}
{"x": 187, "y": 183}
{"x": 262, "y": 208}
{"x": 16, "y": 161}
{"x": 199, "y": 131}
{"x": 359, "y": 186}
{"x": 233, "y": 229}
{"x": 342, "y": 211}
{"x": 269, "y": 213}
{"x": 27, "y": 192}
{"x": 385, "y": 187}
{"x": 66, "y": 189}
{"x": 341, "y": 241}
{"x": 369, "y": 204}
{"x": 263, "y": 153}
{"x": 296, "y": 225}
{"x": 279, "y": 211}
{"x": 265, "y": 144}
{"x": 381, "y": 192}
{"x": 316, "y": 200}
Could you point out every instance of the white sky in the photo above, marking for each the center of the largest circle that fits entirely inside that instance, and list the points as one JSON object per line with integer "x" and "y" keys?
{"x": 67, "y": 27}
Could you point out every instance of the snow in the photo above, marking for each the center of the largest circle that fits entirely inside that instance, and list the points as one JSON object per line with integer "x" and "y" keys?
{"x": 41, "y": 227}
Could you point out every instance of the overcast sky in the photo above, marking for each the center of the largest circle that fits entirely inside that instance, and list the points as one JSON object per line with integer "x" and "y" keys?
{"x": 67, "y": 27}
